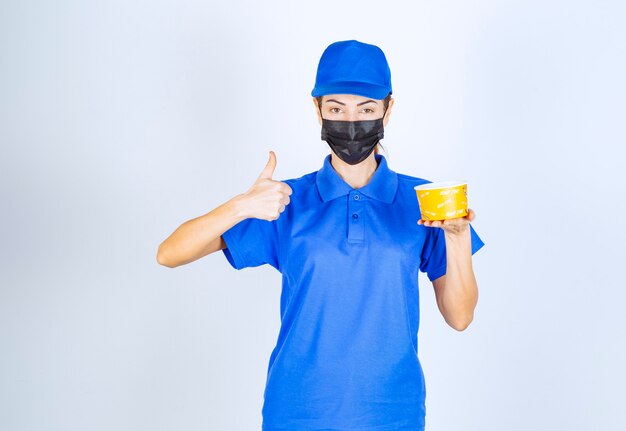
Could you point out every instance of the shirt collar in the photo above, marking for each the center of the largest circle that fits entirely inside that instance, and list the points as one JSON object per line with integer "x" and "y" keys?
{"x": 382, "y": 186}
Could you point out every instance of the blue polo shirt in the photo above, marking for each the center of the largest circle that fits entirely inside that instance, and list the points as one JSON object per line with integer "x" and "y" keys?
{"x": 346, "y": 357}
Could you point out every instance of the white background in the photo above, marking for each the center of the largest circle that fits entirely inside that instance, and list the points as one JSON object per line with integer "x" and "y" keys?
{"x": 120, "y": 120}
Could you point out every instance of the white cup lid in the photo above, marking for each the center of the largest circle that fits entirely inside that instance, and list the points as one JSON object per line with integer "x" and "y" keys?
{"x": 440, "y": 185}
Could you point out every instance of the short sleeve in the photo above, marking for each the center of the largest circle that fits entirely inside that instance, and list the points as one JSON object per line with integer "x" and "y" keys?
{"x": 433, "y": 258}
{"x": 252, "y": 242}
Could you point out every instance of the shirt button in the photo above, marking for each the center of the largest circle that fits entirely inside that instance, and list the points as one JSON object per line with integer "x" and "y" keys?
{"x": 355, "y": 216}
{"x": 357, "y": 197}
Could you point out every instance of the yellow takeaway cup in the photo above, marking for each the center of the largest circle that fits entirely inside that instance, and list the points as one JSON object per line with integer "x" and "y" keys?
{"x": 442, "y": 200}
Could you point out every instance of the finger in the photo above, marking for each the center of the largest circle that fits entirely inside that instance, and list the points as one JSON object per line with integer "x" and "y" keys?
{"x": 286, "y": 189}
{"x": 268, "y": 171}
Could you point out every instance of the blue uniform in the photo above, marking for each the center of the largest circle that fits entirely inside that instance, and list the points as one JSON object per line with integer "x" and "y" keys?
{"x": 346, "y": 354}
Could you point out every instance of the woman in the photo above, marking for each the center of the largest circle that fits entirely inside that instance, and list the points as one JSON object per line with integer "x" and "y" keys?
{"x": 349, "y": 245}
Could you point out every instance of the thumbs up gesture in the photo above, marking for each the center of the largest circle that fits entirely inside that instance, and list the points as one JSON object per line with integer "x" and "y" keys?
{"x": 267, "y": 198}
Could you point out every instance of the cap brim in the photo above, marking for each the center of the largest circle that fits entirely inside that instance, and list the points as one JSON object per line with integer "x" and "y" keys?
{"x": 358, "y": 88}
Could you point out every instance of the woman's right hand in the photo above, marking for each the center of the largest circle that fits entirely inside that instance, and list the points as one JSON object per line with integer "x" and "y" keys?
{"x": 200, "y": 236}
{"x": 267, "y": 198}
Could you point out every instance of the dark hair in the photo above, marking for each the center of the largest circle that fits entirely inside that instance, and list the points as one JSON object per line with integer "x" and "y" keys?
{"x": 385, "y": 104}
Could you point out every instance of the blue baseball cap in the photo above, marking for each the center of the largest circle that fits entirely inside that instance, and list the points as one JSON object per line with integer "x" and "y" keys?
{"x": 353, "y": 67}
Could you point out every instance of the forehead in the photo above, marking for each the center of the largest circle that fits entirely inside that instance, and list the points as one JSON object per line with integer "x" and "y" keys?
{"x": 348, "y": 99}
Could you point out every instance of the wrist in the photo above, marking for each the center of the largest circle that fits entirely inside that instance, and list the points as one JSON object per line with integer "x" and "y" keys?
{"x": 239, "y": 207}
{"x": 458, "y": 237}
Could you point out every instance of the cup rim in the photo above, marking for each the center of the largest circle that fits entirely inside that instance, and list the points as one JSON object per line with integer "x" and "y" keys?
{"x": 440, "y": 185}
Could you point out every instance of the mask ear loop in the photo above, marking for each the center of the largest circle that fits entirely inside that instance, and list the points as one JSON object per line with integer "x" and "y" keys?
{"x": 385, "y": 113}
{"x": 381, "y": 132}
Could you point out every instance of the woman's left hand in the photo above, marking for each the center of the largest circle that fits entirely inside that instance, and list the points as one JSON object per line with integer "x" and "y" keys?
{"x": 455, "y": 226}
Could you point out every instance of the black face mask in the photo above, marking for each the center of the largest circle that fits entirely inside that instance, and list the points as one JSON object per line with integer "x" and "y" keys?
{"x": 352, "y": 141}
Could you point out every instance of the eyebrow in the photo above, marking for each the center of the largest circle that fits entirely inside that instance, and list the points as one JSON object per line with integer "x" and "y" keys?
{"x": 358, "y": 104}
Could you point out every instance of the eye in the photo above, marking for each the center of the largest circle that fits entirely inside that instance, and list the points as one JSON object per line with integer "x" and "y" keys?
{"x": 333, "y": 110}
{"x": 368, "y": 109}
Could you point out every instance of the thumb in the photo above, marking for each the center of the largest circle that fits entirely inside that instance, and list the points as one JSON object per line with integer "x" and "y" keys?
{"x": 268, "y": 171}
